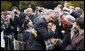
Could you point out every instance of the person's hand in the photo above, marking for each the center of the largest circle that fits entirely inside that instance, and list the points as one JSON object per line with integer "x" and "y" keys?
{"x": 8, "y": 16}
{"x": 53, "y": 41}
{"x": 32, "y": 30}
{"x": 56, "y": 40}
{"x": 63, "y": 31}
{"x": 74, "y": 25}
{"x": 10, "y": 36}
{"x": 17, "y": 16}
{"x": 66, "y": 9}
{"x": 22, "y": 43}
{"x": 72, "y": 29}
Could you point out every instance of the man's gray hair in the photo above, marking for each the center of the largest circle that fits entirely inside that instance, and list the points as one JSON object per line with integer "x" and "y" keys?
{"x": 49, "y": 11}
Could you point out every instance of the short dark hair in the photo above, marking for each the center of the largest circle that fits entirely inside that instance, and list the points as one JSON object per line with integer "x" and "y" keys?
{"x": 80, "y": 22}
{"x": 25, "y": 23}
{"x": 14, "y": 7}
{"x": 52, "y": 22}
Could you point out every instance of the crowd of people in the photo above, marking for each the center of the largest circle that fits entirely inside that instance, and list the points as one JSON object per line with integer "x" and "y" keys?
{"x": 60, "y": 28}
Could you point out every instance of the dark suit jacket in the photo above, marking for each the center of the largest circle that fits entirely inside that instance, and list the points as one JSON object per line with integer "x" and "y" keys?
{"x": 31, "y": 43}
{"x": 32, "y": 17}
{"x": 21, "y": 18}
{"x": 75, "y": 14}
{"x": 35, "y": 20}
{"x": 17, "y": 22}
{"x": 41, "y": 27}
{"x": 43, "y": 34}
{"x": 66, "y": 40}
{"x": 59, "y": 29}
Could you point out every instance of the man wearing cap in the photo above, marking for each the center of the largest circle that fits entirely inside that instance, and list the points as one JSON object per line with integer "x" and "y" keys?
{"x": 66, "y": 23}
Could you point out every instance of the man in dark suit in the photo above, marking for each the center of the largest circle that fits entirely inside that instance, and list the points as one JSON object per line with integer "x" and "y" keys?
{"x": 42, "y": 30}
{"x": 17, "y": 19}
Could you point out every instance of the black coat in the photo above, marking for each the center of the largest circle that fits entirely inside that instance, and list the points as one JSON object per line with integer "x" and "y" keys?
{"x": 21, "y": 21}
{"x": 67, "y": 39}
{"x": 21, "y": 18}
{"x": 17, "y": 22}
{"x": 35, "y": 20}
{"x": 14, "y": 24}
{"x": 58, "y": 30}
{"x": 31, "y": 43}
{"x": 43, "y": 34}
{"x": 75, "y": 14}
{"x": 60, "y": 36}
{"x": 2, "y": 23}
{"x": 32, "y": 17}
{"x": 63, "y": 44}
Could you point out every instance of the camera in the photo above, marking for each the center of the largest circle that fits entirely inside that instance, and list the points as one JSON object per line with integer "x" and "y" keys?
{"x": 40, "y": 9}
{"x": 15, "y": 12}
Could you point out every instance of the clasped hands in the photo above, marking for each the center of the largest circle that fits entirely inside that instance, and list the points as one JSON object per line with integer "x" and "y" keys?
{"x": 54, "y": 41}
